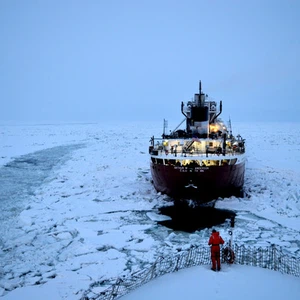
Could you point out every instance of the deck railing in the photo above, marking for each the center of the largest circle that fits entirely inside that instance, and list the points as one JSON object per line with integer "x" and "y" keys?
{"x": 271, "y": 258}
{"x": 182, "y": 153}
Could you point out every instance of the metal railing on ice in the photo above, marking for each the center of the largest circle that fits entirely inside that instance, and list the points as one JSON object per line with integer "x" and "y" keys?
{"x": 270, "y": 258}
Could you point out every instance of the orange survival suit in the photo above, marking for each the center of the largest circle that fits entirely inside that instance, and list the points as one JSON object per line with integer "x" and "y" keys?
{"x": 215, "y": 240}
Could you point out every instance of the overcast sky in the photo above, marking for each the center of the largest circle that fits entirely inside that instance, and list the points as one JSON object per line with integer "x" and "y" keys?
{"x": 96, "y": 60}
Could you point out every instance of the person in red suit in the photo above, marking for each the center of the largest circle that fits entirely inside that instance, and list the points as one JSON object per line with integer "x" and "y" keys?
{"x": 214, "y": 241}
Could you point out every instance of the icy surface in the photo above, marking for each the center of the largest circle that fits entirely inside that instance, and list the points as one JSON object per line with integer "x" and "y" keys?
{"x": 234, "y": 282}
{"x": 78, "y": 204}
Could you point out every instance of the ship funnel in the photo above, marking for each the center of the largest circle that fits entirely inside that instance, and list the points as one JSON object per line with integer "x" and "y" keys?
{"x": 199, "y": 124}
{"x": 197, "y": 100}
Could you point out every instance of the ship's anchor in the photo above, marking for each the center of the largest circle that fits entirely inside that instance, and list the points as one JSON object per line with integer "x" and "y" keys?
{"x": 191, "y": 185}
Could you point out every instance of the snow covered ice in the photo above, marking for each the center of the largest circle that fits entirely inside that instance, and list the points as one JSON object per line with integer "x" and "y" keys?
{"x": 236, "y": 283}
{"x": 78, "y": 206}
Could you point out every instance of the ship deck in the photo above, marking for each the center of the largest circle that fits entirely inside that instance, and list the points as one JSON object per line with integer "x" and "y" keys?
{"x": 199, "y": 155}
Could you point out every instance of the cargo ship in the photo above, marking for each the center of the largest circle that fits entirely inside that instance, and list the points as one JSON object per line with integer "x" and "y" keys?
{"x": 202, "y": 161}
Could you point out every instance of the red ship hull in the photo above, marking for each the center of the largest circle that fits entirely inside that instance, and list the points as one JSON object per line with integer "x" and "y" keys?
{"x": 201, "y": 184}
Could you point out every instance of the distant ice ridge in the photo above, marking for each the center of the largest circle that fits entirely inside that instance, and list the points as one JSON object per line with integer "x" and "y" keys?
{"x": 94, "y": 217}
